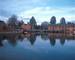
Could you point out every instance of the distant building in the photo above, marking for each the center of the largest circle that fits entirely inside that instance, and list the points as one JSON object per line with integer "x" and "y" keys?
{"x": 38, "y": 27}
{"x": 26, "y": 27}
{"x": 70, "y": 29}
{"x": 56, "y": 28}
{"x": 11, "y": 27}
{"x": 67, "y": 29}
{"x": 44, "y": 25}
{"x": 3, "y": 26}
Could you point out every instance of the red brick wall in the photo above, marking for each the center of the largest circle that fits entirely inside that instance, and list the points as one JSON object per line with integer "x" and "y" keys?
{"x": 3, "y": 28}
{"x": 26, "y": 27}
{"x": 69, "y": 29}
{"x": 55, "y": 28}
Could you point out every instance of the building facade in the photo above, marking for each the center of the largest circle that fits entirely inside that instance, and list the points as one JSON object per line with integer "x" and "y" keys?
{"x": 3, "y": 27}
{"x": 67, "y": 29}
{"x": 26, "y": 27}
{"x": 56, "y": 28}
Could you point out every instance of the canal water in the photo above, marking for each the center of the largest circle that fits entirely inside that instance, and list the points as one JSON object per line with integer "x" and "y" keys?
{"x": 36, "y": 47}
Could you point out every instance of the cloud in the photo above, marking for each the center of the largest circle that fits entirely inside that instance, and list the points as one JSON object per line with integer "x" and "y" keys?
{"x": 4, "y": 13}
{"x": 72, "y": 11}
{"x": 21, "y": 5}
{"x": 45, "y": 13}
{"x": 16, "y": 6}
{"x": 41, "y": 9}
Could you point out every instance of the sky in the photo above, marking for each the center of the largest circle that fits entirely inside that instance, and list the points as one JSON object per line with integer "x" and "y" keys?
{"x": 42, "y": 10}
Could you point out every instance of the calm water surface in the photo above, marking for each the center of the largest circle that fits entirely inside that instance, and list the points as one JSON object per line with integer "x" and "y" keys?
{"x": 36, "y": 47}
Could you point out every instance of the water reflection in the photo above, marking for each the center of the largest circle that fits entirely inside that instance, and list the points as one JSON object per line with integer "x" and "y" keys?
{"x": 1, "y": 39}
{"x": 62, "y": 41}
{"x": 52, "y": 41}
{"x": 44, "y": 36}
{"x": 37, "y": 47}
{"x": 32, "y": 38}
{"x": 12, "y": 39}
{"x": 1, "y": 43}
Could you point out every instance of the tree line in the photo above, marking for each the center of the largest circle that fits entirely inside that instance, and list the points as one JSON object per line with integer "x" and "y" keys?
{"x": 13, "y": 21}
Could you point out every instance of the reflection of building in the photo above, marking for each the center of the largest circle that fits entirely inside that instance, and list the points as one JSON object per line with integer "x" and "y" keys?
{"x": 26, "y": 27}
{"x": 61, "y": 35}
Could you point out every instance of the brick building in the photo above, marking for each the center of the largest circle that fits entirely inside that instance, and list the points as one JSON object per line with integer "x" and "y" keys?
{"x": 26, "y": 27}
{"x": 3, "y": 26}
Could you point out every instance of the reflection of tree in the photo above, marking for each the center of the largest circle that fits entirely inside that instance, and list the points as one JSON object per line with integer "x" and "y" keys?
{"x": 12, "y": 40}
{"x": 1, "y": 44}
{"x": 62, "y": 41}
{"x": 1, "y": 39}
{"x": 52, "y": 41}
{"x": 32, "y": 38}
{"x": 21, "y": 37}
{"x": 44, "y": 36}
